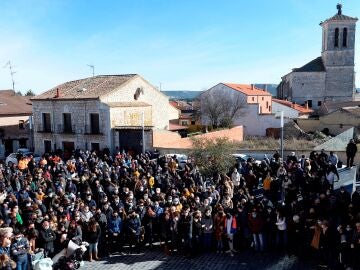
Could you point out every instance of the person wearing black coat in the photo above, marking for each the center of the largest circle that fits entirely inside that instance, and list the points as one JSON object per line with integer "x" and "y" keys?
{"x": 351, "y": 150}
{"x": 47, "y": 238}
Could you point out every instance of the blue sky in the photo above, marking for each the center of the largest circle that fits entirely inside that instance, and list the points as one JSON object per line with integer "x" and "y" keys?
{"x": 187, "y": 44}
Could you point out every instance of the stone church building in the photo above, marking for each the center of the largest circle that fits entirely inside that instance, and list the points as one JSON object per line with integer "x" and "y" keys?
{"x": 330, "y": 77}
{"x": 105, "y": 111}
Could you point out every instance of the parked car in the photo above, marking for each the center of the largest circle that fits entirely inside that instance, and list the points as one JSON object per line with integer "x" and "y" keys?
{"x": 244, "y": 158}
{"x": 13, "y": 157}
{"x": 181, "y": 159}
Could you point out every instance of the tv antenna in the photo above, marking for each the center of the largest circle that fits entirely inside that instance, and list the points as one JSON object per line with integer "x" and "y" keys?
{"x": 93, "y": 69}
{"x": 8, "y": 64}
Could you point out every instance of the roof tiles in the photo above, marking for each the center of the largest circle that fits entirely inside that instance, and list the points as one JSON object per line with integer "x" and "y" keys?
{"x": 88, "y": 88}
{"x": 248, "y": 90}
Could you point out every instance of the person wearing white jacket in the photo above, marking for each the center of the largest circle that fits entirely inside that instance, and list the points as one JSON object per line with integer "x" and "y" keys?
{"x": 281, "y": 232}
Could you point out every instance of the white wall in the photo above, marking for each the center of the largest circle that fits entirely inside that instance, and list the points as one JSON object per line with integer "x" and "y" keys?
{"x": 277, "y": 108}
{"x": 255, "y": 124}
{"x": 162, "y": 111}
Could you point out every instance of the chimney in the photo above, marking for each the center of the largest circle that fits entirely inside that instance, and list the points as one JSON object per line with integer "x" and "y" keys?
{"x": 252, "y": 86}
{"x": 293, "y": 105}
{"x": 57, "y": 93}
{"x": 306, "y": 105}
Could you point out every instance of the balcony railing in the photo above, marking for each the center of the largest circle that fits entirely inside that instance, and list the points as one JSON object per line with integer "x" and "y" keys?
{"x": 89, "y": 130}
{"x": 66, "y": 129}
{"x": 44, "y": 129}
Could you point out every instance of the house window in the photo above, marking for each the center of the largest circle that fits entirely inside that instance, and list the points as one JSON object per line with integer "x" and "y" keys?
{"x": 67, "y": 128}
{"x": 262, "y": 98}
{"x": 253, "y": 98}
{"x": 309, "y": 102}
{"x": 193, "y": 122}
{"x": 46, "y": 122}
{"x": 267, "y": 104}
{"x": 336, "y": 41}
{"x": 94, "y": 123}
{"x": 21, "y": 124}
{"x": 95, "y": 147}
{"x": 22, "y": 143}
{"x": 47, "y": 146}
{"x": 344, "y": 43}
{"x": 319, "y": 103}
{"x": 184, "y": 123}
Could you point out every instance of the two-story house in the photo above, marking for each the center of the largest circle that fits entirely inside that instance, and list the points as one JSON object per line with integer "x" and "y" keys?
{"x": 15, "y": 115}
{"x": 105, "y": 111}
{"x": 255, "y": 106}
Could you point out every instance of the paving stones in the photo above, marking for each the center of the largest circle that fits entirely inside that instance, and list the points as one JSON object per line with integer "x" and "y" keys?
{"x": 159, "y": 261}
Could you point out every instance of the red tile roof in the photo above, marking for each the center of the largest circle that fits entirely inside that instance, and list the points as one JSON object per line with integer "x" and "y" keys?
{"x": 295, "y": 106}
{"x": 12, "y": 104}
{"x": 248, "y": 89}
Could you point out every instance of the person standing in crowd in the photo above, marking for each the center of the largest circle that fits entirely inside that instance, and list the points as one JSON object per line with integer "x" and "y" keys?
{"x": 351, "y": 150}
{"x": 92, "y": 236}
{"x": 230, "y": 229}
{"x": 256, "y": 226}
{"x": 20, "y": 251}
{"x": 134, "y": 229}
{"x": 115, "y": 232}
{"x": 177, "y": 205}
{"x": 47, "y": 238}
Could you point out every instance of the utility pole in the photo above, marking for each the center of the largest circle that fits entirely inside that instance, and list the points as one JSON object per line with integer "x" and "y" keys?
{"x": 282, "y": 135}
{"x": 143, "y": 132}
{"x": 93, "y": 69}
{"x": 8, "y": 64}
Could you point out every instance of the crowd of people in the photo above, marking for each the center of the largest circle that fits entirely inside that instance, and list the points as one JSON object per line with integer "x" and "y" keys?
{"x": 125, "y": 204}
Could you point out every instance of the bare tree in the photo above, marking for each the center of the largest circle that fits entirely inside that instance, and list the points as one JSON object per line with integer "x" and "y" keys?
{"x": 221, "y": 108}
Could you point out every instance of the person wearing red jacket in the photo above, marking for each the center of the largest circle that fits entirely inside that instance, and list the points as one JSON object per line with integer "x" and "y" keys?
{"x": 256, "y": 226}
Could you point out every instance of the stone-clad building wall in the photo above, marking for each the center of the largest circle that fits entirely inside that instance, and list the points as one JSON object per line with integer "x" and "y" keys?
{"x": 80, "y": 111}
{"x": 337, "y": 81}
{"x": 116, "y": 109}
{"x": 303, "y": 86}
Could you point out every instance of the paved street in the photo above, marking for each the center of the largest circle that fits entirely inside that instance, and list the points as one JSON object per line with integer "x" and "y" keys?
{"x": 157, "y": 260}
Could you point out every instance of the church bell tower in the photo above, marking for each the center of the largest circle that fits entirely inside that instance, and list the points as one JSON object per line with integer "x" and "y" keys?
{"x": 338, "y": 54}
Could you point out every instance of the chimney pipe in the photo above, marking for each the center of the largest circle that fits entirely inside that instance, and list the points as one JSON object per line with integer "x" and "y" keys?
{"x": 252, "y": 86}
{"x": 57, "y": 93}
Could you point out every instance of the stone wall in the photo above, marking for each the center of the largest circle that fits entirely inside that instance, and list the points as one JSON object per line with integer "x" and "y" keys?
{"x": 300, "y": 87}
{"x": 80, "y": 111}
{"x": 336, "y": 122}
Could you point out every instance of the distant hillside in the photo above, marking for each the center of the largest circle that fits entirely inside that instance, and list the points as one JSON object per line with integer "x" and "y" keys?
{"x": 182, "y": 94}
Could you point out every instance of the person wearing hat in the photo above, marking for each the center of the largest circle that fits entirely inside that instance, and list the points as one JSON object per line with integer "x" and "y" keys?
{"x": 19, "y": 250}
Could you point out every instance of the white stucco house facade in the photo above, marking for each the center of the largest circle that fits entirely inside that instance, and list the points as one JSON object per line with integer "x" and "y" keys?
{"x": 256, "y": 113}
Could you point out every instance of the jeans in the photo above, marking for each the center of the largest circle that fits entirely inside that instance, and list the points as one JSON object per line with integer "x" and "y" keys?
{"x": 93, "y": 248}
{"x": 258, "y": 241}
{"x": 22, "y": 263}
